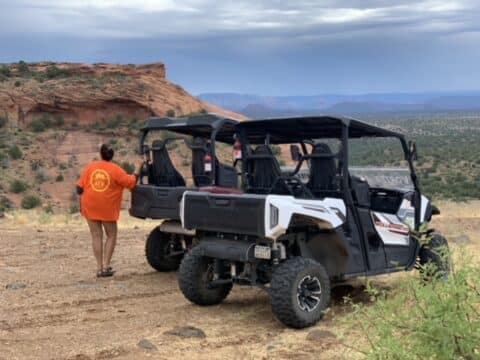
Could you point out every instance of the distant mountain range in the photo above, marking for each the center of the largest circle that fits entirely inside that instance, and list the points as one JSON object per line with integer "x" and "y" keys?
{"x": 261, "y": 106}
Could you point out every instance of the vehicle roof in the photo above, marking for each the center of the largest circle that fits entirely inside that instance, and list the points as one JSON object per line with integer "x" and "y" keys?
{"x": 197, "y": 126}
{"x": 295, "y": 129}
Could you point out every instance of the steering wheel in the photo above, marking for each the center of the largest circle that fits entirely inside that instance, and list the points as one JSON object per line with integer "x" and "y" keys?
{"x": 297, "y": 187}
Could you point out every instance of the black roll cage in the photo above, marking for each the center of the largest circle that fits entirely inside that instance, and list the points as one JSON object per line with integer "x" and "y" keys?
{"x": 302, "y": 129}
{"x": 207, "y": 126}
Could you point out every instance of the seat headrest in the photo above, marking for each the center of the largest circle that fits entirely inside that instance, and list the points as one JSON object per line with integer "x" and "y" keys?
{"x": 158, "y": 144}
{"x": 321, "y": 148}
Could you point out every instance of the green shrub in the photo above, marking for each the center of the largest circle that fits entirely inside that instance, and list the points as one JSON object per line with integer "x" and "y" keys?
{"x": 59, "y": 178}
{"x": 37, "y": 125}
{"x": 3, "y": 121}
{"x": 36, "y": 164}
{"x": 18, "y": 186}
{"x": 170, "y": 113}
{"x": 15, "y": 153}
{"x": 54, "y": 72}
{"x": 59, "y": 121}
{"x": 114, "y": 123}
{"x": 23, "y": 68}
{"x": 5, "y": 71}
{"x": 74, "y": 208}
{"x": 276, "y": 150}
{"x": 18, "y": 83}
{"x": 41, "y": 124}
{"x": 5, "y": 203}
{"x": 439, "y": 319}
{"x": 31, "y": 202}
{"x": 49, "y": 209}
{"x": 128, "y": 167}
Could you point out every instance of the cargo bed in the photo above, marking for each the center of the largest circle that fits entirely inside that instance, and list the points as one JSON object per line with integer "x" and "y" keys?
{"x": 224, "y": 212}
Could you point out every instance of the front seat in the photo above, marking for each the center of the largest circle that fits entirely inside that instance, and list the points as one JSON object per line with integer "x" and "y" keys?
{"x": 162, "y": 172}
{"x": 322, "y": 170}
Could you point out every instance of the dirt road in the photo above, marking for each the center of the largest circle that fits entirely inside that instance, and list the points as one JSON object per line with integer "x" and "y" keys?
{"x": 52, "y": 307}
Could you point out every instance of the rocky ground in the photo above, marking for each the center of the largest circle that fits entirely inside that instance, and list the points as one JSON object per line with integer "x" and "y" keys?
{"x": 52, "y": 307}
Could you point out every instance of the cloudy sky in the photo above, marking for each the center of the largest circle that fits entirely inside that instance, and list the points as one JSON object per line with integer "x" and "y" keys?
{"x": 265, "y": 47}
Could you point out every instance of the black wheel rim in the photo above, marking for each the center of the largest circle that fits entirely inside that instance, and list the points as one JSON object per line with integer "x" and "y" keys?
{"x": 309, "y": 292}
{"x": 169, "y": 246}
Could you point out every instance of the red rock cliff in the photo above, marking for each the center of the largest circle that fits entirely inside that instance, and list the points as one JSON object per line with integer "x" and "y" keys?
{"x": 87, "y": 93}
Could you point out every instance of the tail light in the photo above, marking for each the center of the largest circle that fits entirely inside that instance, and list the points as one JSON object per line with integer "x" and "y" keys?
{"x": 207, "y": 160}
{"x": 237, "y": 150}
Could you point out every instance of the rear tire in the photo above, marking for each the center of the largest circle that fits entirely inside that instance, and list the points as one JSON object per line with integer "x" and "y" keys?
{"x": 157, "y": 248}
{"x": 194, "y": 276}
{"x": 300, "y": 292}
{"x": 436, "y": 252}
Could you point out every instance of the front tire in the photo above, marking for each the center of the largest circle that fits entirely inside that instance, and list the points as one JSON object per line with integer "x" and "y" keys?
{"x": 434, "y": 258}
{"x": 158, "y": 248}
{"x": 194, "y": 277}
{"x": 300, "y": 292}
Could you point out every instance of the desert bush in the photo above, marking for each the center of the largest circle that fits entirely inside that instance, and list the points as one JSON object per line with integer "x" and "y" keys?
{"x": 54, "y": 72}
{"x": 40, "y": 124}
{"x": 18, "y": 186}
{"x": 74, "y": 208}
{"x": 3, "y": 121}
{"x": 48, "y": 209}
{"x": 128, "y": 167}
{"x": 17, "y": 83}
{"x": 62, "y": 166}
{"x": 15, "y": 153}
{"x": 31, "y": 202}
{"x": 5, "y": 71}
{"x": 23, "y": 68}
{"x": 114, "y": 123}
{"x": 5, "y": 203}
{"x": 36, "y": 164}
{"x": 170, "y": 113}
{"x": 439, "y": 319}
{"x": 58, "y": 121}
{"x": 276, "y": 150}
{"x": 59, "y": 178}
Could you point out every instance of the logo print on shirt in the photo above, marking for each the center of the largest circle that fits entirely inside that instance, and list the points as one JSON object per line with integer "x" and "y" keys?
{"x": 100, "y": 180}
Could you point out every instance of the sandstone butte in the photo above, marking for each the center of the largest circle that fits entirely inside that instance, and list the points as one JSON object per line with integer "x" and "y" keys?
{"x": 89, "y": 93}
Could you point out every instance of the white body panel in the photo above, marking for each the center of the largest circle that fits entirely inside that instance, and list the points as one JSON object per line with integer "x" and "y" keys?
{"x": 330, "y": 212}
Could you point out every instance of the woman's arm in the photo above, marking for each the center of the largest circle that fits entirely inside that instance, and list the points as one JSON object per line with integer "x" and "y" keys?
{"x": 125, "y": 180}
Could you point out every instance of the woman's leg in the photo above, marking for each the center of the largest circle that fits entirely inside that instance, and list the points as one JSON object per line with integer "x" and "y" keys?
{"x": 111, "y": 232}
{"x": 97, "y": 241}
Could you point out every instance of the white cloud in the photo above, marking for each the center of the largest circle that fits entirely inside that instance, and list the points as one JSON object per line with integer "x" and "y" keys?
{"x": 167, "y": 18}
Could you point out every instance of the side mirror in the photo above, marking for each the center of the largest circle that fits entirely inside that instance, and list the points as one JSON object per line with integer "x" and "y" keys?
{"x": 295, "y": 152}
{"x": 412, "y": 149}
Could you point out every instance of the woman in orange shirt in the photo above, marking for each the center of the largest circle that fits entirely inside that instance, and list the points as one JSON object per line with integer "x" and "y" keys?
{"x": 101, "y": 188}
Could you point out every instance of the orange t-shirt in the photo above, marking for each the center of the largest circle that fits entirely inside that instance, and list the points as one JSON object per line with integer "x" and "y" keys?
{"x": 103, "y": 183}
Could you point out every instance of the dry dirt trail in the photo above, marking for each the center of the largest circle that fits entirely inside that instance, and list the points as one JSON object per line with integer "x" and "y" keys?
{"x": 52, "y": 307}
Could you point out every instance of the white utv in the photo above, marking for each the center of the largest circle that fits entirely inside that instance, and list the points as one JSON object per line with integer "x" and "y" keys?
{"x": 293, "y": 238}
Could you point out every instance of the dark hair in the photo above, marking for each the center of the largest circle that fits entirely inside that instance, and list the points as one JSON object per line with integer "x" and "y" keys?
{"x": 106, "y": 152}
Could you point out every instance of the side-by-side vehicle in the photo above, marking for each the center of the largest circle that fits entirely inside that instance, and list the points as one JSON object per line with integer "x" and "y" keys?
{"x": 294, "y": 237}
{"x": 161, "y": 186}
